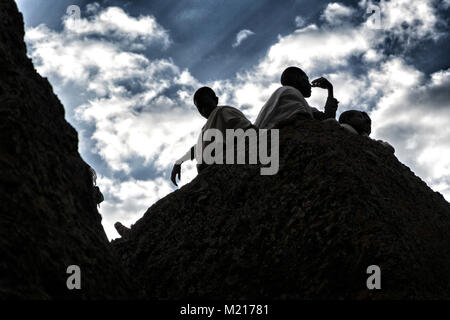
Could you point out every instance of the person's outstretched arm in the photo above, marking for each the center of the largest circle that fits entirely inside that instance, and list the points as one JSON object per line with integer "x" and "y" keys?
{"x": 176, "y": 170}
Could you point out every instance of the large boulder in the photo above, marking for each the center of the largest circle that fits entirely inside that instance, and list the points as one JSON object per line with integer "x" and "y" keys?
{"x": 339, "y": 204}
{"x": 48, "y": 216}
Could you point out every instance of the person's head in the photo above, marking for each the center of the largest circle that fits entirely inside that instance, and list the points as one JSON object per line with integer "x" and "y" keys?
{"x": 295, "y": 77}
{"x": 359, "y": 120}
{"x": 206, "y": 101}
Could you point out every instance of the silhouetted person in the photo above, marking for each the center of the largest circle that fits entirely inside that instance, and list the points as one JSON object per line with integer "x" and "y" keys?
{"x": 219, "y": 117}
{"x": 290, "y": 99}
{"x": 121, "y": 229}
{"x": 98, "y": 195}
{"x": 356, "y": 121}
{"x": 359, "y": 122}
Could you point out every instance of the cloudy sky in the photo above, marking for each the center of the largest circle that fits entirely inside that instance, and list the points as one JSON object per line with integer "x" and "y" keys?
{"x": 126, "y": 72}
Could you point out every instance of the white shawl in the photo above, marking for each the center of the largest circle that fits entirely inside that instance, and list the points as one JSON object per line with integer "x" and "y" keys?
{"x": 283, "y": 104}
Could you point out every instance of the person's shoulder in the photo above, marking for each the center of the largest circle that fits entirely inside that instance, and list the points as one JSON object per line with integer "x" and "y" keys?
{"x": 349, "y": 128}
{"x": 226, "y": 108}
{"x": 229, "y": 109}
{"x": 290, "y": 90}
{"x": 283, "y": 90}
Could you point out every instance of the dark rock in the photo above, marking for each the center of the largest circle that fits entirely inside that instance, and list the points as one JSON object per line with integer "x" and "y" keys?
{"x": 48, "y": 216}
{"x": 339, "y": 204}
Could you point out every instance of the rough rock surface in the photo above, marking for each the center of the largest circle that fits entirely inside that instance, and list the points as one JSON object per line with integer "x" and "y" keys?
{"x": 48, "y": 217}
{"x": 339, "y": 204}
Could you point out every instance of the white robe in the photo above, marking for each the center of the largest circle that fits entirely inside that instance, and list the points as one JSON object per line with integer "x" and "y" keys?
{"x": 283, "y": 104}
{"x": 221, "y": 118}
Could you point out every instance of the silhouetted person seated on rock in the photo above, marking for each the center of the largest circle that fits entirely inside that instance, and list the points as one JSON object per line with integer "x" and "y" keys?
{"x": 98, "y": 196}
{"x": 289, "y": 100}
{"x": 218, "y": 117}
{"x": 359, "y": 122}
{"x": 121, "y": 229}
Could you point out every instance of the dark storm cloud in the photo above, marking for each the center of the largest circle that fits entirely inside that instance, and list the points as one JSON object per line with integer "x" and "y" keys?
{"x": 437, "y": 97}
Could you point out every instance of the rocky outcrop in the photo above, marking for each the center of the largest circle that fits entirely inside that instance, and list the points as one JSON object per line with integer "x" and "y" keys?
{"x": 48, "y": 216}
{"x": 339, "y": 204}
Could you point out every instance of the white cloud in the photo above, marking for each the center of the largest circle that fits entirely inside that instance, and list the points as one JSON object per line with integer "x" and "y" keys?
{"x": 135, "y": 118}
{"x": 319, "y": 49}
{"x": 114, "y": 22}
{"x": 299, "y": 21}
{"x": 127, "y": 201}
{"x": 124, "y": 100}
{"x": 413, "y": 116}
{"x": 311, "y": 46}
{"x": 241, "y": 36}
{"x": 408, "y": 110}
{"x": 93, "y": 7}
{"x": 410, "y": 21}
{"x": 337, "y": 13}
{"x": 106, "y": 69}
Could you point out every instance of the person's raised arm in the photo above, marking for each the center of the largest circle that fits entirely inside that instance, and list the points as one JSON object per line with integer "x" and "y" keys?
{"x": 332, "y": 104}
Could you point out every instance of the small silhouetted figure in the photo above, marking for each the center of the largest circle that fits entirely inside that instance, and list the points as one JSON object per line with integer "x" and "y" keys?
{"x": 218, "y": 117}
{"x": 359, "y": 122}
{"x": 121, "y": 229}
{"x": 289, "y": 100}
{"x": 98, "y": 196}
